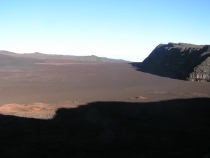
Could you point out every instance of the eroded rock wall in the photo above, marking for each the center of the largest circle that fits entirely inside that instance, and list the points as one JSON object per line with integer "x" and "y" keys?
{"x": 187, "y": 61}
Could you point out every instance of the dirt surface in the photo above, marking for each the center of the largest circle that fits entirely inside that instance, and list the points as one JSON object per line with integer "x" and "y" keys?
{"x": 89, "y": 82}
{"x": 78, "y": 83}
{"x": 100, "y": 110}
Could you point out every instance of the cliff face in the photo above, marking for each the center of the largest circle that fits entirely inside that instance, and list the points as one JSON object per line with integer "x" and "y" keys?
{"x": 186, "y": 61}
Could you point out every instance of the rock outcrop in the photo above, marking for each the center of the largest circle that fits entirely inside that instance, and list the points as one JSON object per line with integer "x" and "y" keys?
{"x": 186, "y": 61}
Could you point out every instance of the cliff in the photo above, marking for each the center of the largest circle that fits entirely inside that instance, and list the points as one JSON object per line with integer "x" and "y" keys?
{"x": 185, "y": 61}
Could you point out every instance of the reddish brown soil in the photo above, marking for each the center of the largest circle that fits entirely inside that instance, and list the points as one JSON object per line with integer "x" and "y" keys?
{"x": 88, "y": 82}
{"x": 127, "y": 118}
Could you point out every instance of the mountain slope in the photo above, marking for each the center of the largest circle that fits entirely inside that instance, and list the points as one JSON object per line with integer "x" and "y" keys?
{"x": 186, "y": 61}
{"x": 60, "y": 57}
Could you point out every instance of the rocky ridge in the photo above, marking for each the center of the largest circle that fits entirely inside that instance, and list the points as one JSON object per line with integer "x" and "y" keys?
{"x": 186, "y": 61}
{"x": 41, "y": 56}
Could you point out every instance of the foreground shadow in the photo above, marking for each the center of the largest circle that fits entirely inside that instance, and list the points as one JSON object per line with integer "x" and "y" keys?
{"x": 173, "y": 128}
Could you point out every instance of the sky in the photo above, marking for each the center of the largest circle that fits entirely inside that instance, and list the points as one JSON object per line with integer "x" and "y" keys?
{"x": 121, "y": 29}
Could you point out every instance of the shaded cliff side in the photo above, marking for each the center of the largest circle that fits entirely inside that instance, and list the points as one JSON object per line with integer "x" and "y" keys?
{"x": 185, "y": 61}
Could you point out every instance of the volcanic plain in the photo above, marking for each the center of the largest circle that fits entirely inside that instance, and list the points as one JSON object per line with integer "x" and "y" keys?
{"x": 91, "y": 108}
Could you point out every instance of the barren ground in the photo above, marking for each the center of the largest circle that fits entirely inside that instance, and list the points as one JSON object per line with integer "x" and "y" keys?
{"x": 40, "y": 90}
{"x": 70, "y": 84}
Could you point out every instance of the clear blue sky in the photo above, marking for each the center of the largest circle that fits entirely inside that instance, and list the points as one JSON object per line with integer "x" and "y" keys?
{"x": 126, "y": 29}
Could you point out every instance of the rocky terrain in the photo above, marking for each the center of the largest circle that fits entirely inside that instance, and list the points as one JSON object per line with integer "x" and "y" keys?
{"x": 182, "y": 61}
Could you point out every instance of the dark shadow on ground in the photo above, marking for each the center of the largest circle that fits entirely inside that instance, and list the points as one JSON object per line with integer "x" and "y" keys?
{"x": 173, "y": 128}
{"x": 150, "y": 68}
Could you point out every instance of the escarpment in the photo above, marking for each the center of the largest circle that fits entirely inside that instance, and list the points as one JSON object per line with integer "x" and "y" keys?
{"x": 185, "y": 61}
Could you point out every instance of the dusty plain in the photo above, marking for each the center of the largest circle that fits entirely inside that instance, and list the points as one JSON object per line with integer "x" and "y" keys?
{"x": 99, "y": 109}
